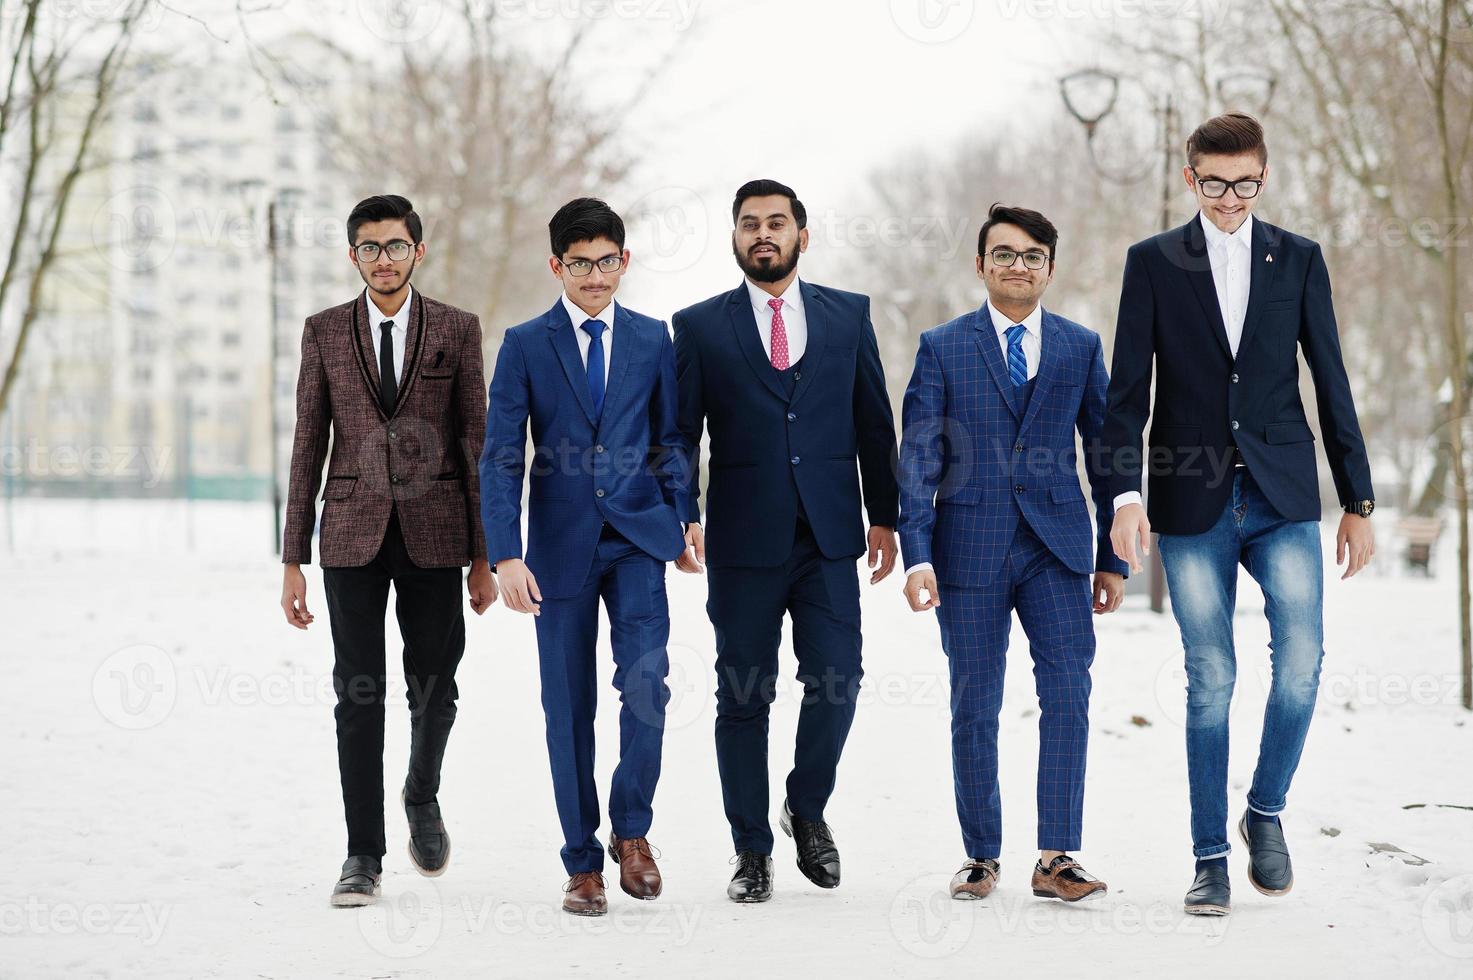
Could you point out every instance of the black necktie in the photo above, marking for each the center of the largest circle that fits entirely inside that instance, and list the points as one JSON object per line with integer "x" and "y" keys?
{"x": 388, "y": 378}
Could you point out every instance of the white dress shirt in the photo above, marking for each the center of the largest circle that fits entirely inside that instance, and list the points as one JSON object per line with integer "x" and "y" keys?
{"x": 376, "y": 318}
{"x": 795, "y": 321}
{"x": 1032, "y": 350}
{"x": 1231, "y": 258}
{"x": 585, "y": 340}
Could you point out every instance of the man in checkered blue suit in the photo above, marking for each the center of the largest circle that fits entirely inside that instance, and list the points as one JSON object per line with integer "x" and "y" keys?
{"x": 993, "y": 519}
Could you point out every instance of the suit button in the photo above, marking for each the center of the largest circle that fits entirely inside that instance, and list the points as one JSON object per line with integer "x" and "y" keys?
{"x": 795, "y": 460}
{"x": 394, "y": 478}
{"x": 1234, "y": 379}
{"x": 598, "y": 493}
{"x": 1018, "y": 488}
{"x": 1018, "y": 448}
{"x": 1235, "y": 424}
{"x": 792, "y": 416}
{"x": 797, "y": 375}
{"x": 393, "y": 434}
{"x": 598, "y": 449}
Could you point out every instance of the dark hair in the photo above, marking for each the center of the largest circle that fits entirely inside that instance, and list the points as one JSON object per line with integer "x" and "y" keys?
{"x": 769, "y": 188}
{"x": 384, "y": 207}
{"x": 1039, "y": 228}
{"x": 1230, "y": 133}
{"x": 582, "y": 220}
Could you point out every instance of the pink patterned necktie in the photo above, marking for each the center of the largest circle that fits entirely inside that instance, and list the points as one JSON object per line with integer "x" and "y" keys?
{"x": 779, "y": 336}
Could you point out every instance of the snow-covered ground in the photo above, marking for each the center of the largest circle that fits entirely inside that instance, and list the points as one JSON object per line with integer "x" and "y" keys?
{"x": 170, "y": 798}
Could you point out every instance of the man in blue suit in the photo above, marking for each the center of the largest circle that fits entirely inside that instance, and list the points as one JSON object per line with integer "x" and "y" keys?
{"x": 992, "y": 519}
{"x": 1220, "y": 308}
{"x": 596, "y": 383}
{"x": 787, "y": 376}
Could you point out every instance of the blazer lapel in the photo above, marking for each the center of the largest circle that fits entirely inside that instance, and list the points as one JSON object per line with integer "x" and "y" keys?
{"x": 621, "y": 349}
{"x": 815, "y": 312}
{"x": 1048, "y": 367}
{"x": 364, "y": 350}
{"x": 744, "y": 326}
{"x": 992, "y": 357}
{"x": 1260, "y": 279}
{"x": 566, "y": 346}
{"x": 413, "y": 344}
{"x": 1198, "y": 266}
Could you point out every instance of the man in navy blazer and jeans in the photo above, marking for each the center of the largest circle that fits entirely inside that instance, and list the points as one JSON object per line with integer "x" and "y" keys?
{"x": 596, "y": 383}
{"x": 787, "y": 376}
{"x": 1220, "y": 308}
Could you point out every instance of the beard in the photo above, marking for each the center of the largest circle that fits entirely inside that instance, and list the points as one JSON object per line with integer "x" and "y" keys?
{"x": 368, "y": 280}
{"x": 773, "y": 271}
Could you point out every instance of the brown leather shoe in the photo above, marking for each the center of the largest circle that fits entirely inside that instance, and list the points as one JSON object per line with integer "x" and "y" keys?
{"x": 1065, "y": 879}
{"x": 584, "y": 894}
{"x": 638, "y": 875}
{"x": 975, "y": 880}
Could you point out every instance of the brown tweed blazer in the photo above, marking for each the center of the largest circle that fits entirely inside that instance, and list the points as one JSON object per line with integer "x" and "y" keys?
{"x": 421, "y": 460}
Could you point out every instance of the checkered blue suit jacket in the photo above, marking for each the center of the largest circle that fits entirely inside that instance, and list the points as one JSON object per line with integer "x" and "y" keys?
{"x": 972, "y": 458}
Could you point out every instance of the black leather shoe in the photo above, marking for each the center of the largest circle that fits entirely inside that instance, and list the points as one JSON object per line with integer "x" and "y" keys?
{"x": 358, "y": 884}
{"x": 429, "y": 844}
{"x": 818, "y": 858}
{"x": 1269, "y": 868}
{"x": 753, "y": 879}
{"x": 1210, "y": 894}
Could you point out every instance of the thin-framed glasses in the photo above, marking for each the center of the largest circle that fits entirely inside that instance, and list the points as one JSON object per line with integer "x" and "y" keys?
{"x": 583, "y": 267}
{"x": 1006, "y": 258}
{"x": 1215, "y": 187}
{"x": 398, "y": 250}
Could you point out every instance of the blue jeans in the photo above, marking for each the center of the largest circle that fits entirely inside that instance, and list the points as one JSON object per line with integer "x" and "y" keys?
{"x": 1202, "y": 575}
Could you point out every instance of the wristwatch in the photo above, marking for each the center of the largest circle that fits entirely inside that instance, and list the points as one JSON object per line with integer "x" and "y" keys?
{"x": 1361, "y": 507}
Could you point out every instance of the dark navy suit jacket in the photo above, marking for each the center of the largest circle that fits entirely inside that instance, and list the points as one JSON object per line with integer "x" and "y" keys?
{"x": 625, "y": 466}
{"x": 1208, "y": 401}
{"x": 770, "y": 447}
{"x": 972, "y": 458}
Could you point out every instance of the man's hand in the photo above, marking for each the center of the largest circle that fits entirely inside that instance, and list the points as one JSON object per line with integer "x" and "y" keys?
{"x": 882, "y": 551}
{"x": 693, "y": 558}
{"x": 480, "y": 584}
{"x": 1130, "y": 530}
{"x": 1109, "y": 592}
{"x": 294, "y": 596}
{"x": 915, "y": 582}
{"x": 519, "y": 586}
{"x": 1356, "y": 537}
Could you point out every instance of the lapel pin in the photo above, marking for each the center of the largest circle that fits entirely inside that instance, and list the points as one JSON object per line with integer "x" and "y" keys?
{"x": 439, "y": 357}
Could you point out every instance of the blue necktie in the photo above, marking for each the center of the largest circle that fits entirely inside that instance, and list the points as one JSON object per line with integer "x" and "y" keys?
{"x": 1017, "y": 360}
{"x": 595, "y": 330}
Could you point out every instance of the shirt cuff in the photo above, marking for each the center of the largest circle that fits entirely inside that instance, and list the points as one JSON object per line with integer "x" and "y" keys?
{"x": 920, "y": 566}
{"x": 1128, "y": 497}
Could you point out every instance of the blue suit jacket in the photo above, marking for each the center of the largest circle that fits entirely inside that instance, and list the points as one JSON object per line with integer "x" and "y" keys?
{"x": 768, "y": 448}
{"x": 625, "y": 467}
{"x": 969, "y": 451}
{"x": 1207, "y": 401}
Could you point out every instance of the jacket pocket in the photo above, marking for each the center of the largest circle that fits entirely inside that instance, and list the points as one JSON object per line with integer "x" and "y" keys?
{"x": 1065, "y": 493}
{"x": 1280, "y": 433}
{"x": 339, "y": 487}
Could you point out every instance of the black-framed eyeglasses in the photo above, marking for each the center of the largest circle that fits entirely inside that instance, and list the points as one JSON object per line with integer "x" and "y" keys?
{"x": 1215, "y": 187}
{"x": 1006, "y": 258}
{"x": 398, "y": 250}
{"x": 583, "y": 267}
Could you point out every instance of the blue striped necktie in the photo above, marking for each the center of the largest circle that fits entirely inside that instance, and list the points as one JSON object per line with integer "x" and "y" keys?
{"x": 595, "y": 330}
{"x": 1017, "y": 360}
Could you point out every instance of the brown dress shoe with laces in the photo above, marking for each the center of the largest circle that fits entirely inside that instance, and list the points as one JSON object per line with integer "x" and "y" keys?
{"x": 584, "y": 894}
{"x": 975, "y": 880}
{"x": 638, "y": 875}
{"x": 1065, "y": 879}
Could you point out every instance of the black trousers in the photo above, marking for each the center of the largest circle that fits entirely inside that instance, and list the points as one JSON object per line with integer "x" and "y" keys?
{"x": 432, "y": 623}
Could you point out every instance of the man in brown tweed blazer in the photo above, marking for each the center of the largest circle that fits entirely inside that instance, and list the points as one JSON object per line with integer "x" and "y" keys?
{"x": 395, "y": 378}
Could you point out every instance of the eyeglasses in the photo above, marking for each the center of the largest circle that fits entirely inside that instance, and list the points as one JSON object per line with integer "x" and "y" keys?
{"x": 582, "y": 267}
{"x": 1006, "y": 258}
{"x": 1215, "y": 187}
{"x": 398, "y": 250}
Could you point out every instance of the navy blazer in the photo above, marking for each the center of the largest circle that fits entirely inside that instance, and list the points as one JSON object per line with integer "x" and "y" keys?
{"x": 1207, "y": 401}
{"x": 769, "y": 449}
{"x": 969, "y": 450}
{"x": 625, "y": 467}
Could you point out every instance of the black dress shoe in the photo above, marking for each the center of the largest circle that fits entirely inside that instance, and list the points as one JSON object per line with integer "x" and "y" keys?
{"x": 818, "y": 858}
{"x": 1210, "y": 893}
{"x": 358, "y": 884}
{"x": 429, "y": 844}
{"x": 1269, "y": 868}
{"x": 753, "y": 879}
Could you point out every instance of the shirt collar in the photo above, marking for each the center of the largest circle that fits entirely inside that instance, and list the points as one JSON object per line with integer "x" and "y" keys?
{"x": 792, "y": 297}
{"x": 579, "y": 317}
{"x": 1033, "y": 322}
{"x": 377, "y": 316}
{"x": 1217, "y": 238}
